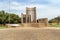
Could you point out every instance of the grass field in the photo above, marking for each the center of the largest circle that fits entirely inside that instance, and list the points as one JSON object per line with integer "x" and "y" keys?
{"x": 1, "y": 27}
{"x": 54, "y": 25}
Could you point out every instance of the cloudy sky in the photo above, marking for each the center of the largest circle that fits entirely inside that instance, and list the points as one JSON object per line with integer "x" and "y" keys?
{"x": 45, "y": 8}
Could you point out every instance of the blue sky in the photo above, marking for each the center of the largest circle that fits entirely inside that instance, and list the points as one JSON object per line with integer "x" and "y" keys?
{"x": 45, "y": 8}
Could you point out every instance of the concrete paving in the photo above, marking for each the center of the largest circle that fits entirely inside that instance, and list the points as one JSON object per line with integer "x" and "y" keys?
{"x": 29, "y": 34}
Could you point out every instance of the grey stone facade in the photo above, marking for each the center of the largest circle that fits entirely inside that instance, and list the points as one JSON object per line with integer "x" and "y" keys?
{"x": 30, "y": 16}
{"x": 29, "y": 19}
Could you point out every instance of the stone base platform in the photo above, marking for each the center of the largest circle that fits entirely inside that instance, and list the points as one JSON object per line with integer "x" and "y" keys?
{"x": 34, "y": 25}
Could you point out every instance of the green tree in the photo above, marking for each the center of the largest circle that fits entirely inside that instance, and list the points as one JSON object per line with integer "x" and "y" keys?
{"x": 55, "y": 20}
{"x": 9, "y": 18}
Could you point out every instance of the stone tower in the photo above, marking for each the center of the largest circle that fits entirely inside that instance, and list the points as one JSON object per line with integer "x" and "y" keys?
{"x": 32, "y": 12}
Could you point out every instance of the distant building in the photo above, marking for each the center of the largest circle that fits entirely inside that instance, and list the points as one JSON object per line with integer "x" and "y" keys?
{"x": 43, "y": 20}
{"x": 30, "y": 18}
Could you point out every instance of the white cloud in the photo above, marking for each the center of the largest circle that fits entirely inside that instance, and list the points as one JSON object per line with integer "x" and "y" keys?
{"x": 42, "y": 10}
{"x": 16, "y": 6}
{"x": 32, "y": 0}
{"x": 4, "y": 6}
{"x": 54, "y": 2}
{"x": 19, "y": 6}
{"x": 22, "y": 8}
{"x": 48, "y": 12}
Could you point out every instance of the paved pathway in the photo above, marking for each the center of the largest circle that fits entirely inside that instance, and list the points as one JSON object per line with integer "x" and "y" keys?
{"x": 29, "y": 34}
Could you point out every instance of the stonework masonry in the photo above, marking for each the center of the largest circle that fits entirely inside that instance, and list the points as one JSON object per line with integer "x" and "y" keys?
{"x": 32, "y": 12}
{"x": 29, "y": 19}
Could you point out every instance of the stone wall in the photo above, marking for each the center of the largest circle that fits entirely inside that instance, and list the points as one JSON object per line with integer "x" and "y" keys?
{"x": 34, "y": 25}
{"x": 43, "y": 20}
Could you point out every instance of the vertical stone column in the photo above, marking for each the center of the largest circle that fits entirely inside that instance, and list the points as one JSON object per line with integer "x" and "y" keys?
{"x": 26, "y": 18}
{"x": 29, "y": 18}
{"x": 46, "y": 21}
{"x": 21, "y": 18}
{"x": 26, "y": 14}
{"x": 32, "y": 12}
{"x": 35, "y": 14}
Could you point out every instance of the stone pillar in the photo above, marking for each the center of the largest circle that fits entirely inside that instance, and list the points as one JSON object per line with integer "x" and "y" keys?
{"x": 29, "y": 18}
{"x": 34, "y": 15}
{"x": 32, "y": 12}
{"x": 46, "y": 21}
{"x": 21, "y": 17}
{"x": 26, "y": 18}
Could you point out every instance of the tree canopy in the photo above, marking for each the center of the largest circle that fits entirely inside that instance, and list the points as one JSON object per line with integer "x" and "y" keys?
{"x": 9, "y": 18}
{"x": 55, "y": 20}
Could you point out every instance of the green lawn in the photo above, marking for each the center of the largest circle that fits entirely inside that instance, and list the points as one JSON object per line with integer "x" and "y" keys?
{"x": 55, "y": 25}
{"x": 1, "y": 27}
